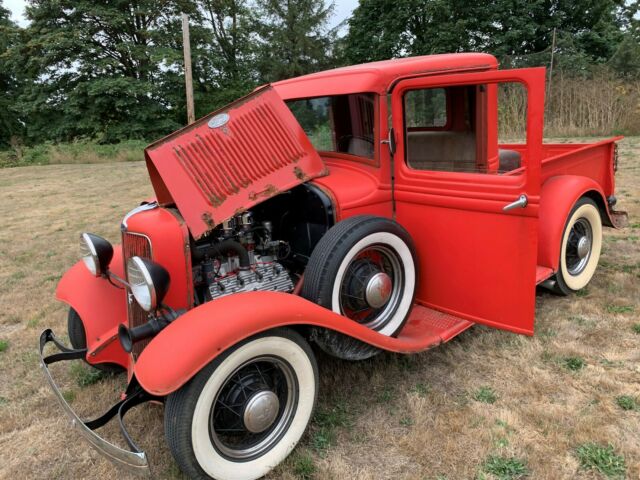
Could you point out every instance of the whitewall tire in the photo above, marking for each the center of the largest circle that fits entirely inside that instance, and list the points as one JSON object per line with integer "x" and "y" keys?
{"x": 245, "y": 412}
{"x": 580, "y": 248}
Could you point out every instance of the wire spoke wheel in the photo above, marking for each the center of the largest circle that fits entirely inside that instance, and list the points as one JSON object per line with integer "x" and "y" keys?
{"x": 253, "y": 408}
{"x": 579, "y": 246}
{"x": 372, "y": 286}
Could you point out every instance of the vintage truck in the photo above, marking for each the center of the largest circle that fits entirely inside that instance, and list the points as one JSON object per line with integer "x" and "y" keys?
{"x": 361, "y": 209}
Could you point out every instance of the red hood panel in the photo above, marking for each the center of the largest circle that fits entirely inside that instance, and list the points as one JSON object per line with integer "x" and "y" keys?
{"x": 231, "y": 160}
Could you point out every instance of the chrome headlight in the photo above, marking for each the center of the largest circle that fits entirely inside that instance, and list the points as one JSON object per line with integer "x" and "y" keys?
{"x": 148, "y": 281}
{"x": 96, "y": 253}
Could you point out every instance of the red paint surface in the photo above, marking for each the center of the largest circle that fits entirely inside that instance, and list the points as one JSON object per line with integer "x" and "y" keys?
{"x": 170, "y": 248}
{"x": 200, "y": 335}
{"x": 101, "y": 306}
{"x": 378, "y": 76}
{"x": 212, "y": 173}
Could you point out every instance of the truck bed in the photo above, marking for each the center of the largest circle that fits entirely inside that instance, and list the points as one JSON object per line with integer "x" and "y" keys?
{"x": 593, "y": 160}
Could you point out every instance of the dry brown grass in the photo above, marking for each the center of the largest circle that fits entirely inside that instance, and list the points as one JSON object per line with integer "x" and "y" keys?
{"x": 391, "y": 417}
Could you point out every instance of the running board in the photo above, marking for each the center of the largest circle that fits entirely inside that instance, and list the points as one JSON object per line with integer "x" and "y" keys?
{"x": 430, "y": 328}
{"x": 543, "y": 274}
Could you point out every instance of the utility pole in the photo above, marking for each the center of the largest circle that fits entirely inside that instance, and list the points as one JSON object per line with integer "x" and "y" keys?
{"x": 188, "y": 78}
{"x": 553, "y": 51}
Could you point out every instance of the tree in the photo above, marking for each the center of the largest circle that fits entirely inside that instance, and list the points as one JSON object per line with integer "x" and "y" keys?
{"x": 10, "y": 124}
{"x": 226, "y": 60}
{"x": 510, "y": 29}
{"x": 99, "y": 68}
{"x": 292, "y": 37}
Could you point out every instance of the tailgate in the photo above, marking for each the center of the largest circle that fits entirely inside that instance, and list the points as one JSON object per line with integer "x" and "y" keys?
{"x": 231, "y": 160}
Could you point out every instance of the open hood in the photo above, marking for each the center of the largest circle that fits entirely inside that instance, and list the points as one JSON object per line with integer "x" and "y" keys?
{"x": 231, "y": 160}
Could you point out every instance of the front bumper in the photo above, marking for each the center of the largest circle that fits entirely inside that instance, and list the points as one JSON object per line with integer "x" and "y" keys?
{"x": 133, "y": 460}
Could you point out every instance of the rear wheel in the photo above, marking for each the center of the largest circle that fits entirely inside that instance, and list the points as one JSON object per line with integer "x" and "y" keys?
{"x": 580, "y": 249}
{"x": 364, "y": 268}
{"x": 78, "y": 338}
{"x": 244, "y": 412}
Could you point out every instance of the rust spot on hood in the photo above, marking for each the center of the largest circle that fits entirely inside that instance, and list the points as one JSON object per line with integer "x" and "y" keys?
{"x": 268, "y": 192}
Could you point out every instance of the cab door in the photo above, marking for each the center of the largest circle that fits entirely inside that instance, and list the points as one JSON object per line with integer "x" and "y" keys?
{"x": 470, "y": 206}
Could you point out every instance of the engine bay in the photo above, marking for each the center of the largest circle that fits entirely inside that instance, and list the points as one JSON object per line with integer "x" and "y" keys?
{"x": 265, "y": 248}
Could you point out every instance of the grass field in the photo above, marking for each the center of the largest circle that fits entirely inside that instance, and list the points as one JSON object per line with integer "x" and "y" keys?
{"x": 563, "y": 404}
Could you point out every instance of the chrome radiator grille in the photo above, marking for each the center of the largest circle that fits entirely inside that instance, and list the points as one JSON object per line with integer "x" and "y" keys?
{"x": 135, "y": 244}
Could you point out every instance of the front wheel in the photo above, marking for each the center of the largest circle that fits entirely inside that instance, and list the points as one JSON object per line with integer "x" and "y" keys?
{"x": 244, "y": 412}
{"x": 580, "y": 249}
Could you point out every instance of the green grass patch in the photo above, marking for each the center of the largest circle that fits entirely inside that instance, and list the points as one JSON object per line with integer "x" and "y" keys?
{"x": 485, "y": 395}
{"x": 69, "y": 395}
{"x": 303, "y": 466}
{"x": 322, "y": 439}
{"x": 84, "y": 375}
{"x": 421, "y": 389}
{"x": 326, "y": 421}
{"x": 636, "y": 328}
{"x": 4, "y": 344}
{"x": 619, "y": 308}
{"x": 573, "y": 363}
{"x": 627, "y": 402}
{"x": 603, "y": 459}
{"x": 505, "y": 468}
{"x": 406, "y": 421}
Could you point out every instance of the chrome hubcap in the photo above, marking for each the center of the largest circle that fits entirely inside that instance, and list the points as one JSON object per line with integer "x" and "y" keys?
{"x": 584, "y": 245}
{"x": 579, "y": 243}
{"x": 378, "y": 291}
{"x": 261, "y": 411}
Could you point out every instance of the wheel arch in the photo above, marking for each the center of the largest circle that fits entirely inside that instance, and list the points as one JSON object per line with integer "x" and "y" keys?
{"x": 559, "y": 194}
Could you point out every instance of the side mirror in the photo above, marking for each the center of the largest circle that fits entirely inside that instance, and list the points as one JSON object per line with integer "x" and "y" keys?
{"x": 391, "y": 141}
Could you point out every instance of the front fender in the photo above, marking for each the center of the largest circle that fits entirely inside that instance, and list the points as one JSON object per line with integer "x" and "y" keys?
{"x": 101, "y": 306}
{"x": 558, "y": 196}
{"x": 200, "y": 335}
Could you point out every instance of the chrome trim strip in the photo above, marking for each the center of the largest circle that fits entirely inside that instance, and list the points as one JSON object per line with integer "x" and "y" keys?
{"x": 140, "y": 208}
{"x": 134, "y": 462}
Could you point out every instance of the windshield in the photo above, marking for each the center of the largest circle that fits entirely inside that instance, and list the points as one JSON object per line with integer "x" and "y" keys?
{"x": 341, "y": 123}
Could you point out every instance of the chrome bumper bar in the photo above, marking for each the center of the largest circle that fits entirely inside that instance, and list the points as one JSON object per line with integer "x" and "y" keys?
{"x": 134, "y": 460}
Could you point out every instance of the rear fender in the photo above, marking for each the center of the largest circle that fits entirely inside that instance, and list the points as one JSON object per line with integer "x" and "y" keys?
{"x": 101, "y": 306}
{"x": 200, "y": 335}
{"x": 558, "y": 196}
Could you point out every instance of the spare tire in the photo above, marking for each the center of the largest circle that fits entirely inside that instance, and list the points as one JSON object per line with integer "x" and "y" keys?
{"x": 364, "y": 268}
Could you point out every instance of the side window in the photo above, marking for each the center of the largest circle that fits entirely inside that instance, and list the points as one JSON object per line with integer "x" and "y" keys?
{"x": 426, "y": 109}
{"x": 455, "y": 129}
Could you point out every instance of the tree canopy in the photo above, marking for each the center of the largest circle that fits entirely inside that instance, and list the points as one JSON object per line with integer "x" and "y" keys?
{"x": 109, "y": 70}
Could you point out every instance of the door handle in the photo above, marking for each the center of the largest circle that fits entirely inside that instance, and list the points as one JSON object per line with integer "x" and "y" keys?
{"x": 521, "y": 203}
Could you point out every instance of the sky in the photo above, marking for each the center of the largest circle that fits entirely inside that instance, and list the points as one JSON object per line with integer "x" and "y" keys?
{"x": 342, "y": 10}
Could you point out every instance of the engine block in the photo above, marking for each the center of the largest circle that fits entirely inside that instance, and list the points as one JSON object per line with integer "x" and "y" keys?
{"x": 262, "y": 276}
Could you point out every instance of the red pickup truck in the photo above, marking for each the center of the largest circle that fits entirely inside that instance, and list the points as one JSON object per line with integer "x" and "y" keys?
{"x": 362, "y": 209}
